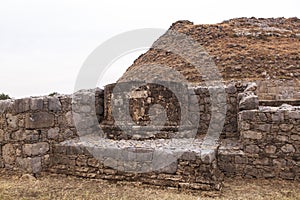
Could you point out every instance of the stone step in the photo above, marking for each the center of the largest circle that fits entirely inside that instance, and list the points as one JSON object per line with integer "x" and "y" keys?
{"x": 136, "y": 132}
{"x": 166, "y": 162}
{"x": 276, "y": 103}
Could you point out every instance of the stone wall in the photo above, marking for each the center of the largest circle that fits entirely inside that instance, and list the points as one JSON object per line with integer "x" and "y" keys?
{"x": 269, "y": 144}
{"x": 45, "y": 134}
{"x": 196, "y": 108}
{"x": 30, "y": 127}
{"x": 191, "y": 170}
{"x": 278, "y": 89}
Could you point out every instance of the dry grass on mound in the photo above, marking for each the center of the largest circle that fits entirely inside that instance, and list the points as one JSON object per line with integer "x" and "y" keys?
{"x": 13, "y": 186}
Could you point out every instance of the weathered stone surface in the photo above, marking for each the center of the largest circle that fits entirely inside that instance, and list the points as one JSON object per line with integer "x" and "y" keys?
{"x": 263, "y": 127}
{"x": 2, "y": 135}
{"x": 54, "y": 104}
{"x": 267, "y": 140}
{"x": 31, "y": 165}
{"x": 231, "y": 88}
{"x": 36, "y": 149}
{"x": 263, "y": 161}
{"x": 288, "y": 148}
{"x": 12, "y": 121}
{"x": 263, "y": 117}
{"x": 5, "y": 105}
{"x": 253, "y": 149}
{"x": 271, "y": 149}
{"x": 249, "y": 101}
{"x": 251, "y": 87}
{"x": 295, "y": 137}
{"x": 294, "y": 115}
{"x": 255, "y": 135}
{"x": 246, "y": 115}
{"x": 21, "y": 105}
{"x": 36, "y": 104}
{"x": 39, "y": 120}
{"x": 286, "y": 127}
{"x": 244, "y": 126}
{"x": 278, "y": 117}
{"x": 241, "y": 159}
{"x": 19, "y": 135}
{"x": 9, "y": 153}
{"x": 69, "y": 118}
{"x": 53, "y": 133}
{"x": 282, "y": 138}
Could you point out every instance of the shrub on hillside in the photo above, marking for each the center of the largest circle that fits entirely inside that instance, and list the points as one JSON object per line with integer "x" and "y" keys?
{"x": 4, "y": 96}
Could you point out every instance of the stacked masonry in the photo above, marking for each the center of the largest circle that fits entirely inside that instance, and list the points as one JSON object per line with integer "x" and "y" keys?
{"x": 56, "y": 134}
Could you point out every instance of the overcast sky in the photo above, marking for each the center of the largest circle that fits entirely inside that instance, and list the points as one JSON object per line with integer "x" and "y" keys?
{"x": 43, "y": 43}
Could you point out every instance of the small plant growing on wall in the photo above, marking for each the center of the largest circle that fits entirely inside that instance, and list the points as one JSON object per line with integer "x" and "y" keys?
{"x": 52, "y": 94}
{"x": 4, "y": 96}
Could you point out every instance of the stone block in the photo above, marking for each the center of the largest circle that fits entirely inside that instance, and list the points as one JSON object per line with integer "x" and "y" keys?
{"x": 188, "y": 155}
{"x": 263, "y": 117}
{"x": 246, "y": 115}
{"x": 69, "y": 118}
{"x": 286, "y": 127}
{"x": 54, "y": 104}
{"x": 9, "y": 153}
{"x": 169, "y": 169}
{"x": 36, "y": 104}
{"x": 294, "y": 114}
{"x": 251, "y": 87}
{"x": 2, "y": 135}
{"x": 295, "y": 137}
{"x": 53, "y": 133}
{"x": 241, "y": 160}
{"x": 21, "y": 105}
{"x": 39, "y": 120}
{"x": 249, "y": 101}
{"x": 288, "y": 148}
{"x": 31, "y": 165}
{"x": 282, "y": 138}
{"x": 12, "y": 121}
{"x": 81, "y": 161}
{"x": 36, "y": 149}
{"x": 253, "y": 149}
{"x": 19, "y": 135}
{"x": 5, "y": 105}
{"x": 278, "y": 117}
{"x": 254, "y": 135}
{"x": 208, "y": 155}
{"x": 261, "y": 161}
{"x": 263, "y": 127}
{"x": 231, "y": 89}
{"x": 93, "y": 162}
{"x": 270, "y": 149}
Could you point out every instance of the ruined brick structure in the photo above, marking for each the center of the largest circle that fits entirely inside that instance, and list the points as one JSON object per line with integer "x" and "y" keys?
{"x": 259, "y": 138}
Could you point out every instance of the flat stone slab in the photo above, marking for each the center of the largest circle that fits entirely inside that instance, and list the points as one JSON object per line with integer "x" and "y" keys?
{"x": 101, "y": 147}
{"x": 166, "y": 162}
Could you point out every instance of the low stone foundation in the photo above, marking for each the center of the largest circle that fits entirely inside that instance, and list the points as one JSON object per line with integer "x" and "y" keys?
{"x": 58, "y": 135}
{"x": 137, "y": 161}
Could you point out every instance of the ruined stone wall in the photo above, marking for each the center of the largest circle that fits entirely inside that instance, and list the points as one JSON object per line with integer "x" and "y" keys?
{"x": 40, "y": 134}
{"x": 278, "y": 89}
{"x": 196, "y": 109}
{"x": 30, "y": 127}
{"x": 190, "y": 170}
{"x": 269, "y": 144}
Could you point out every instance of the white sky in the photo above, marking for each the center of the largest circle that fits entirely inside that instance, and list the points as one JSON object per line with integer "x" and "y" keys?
{"x": 43, "y": 43}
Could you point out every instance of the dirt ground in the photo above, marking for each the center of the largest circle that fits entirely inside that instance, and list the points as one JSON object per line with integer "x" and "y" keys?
{"x": 16, "y": 186}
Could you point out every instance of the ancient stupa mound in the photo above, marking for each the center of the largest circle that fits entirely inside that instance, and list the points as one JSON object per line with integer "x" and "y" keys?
{"x": 242, "y": 48}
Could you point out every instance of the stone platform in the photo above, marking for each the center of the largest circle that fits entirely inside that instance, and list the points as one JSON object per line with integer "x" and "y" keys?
{"x": 165, "y": 162}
